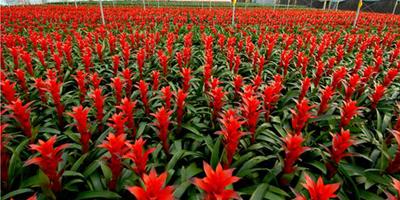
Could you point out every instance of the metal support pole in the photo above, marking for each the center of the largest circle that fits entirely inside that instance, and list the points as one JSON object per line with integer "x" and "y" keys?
{"x": 144, "y": 5}
{"x": 233, "y": 14}
{"x": 358, "y": 12}
{"x": 323, "y": 8}
{"x": 288, "y": 3}
{"x": 76, "y": 6}
{"x": 395, "y": 6}
{"x": 102, "y": 12}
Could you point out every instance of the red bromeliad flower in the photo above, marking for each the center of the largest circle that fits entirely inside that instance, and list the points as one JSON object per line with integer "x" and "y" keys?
{"x": 390, "y": 76}
{"x": 338, "y": 76}
{"x": 115, "y": 64}
{"x": 286, "y": 57}
{"x": 54, "y": 88}
{"x": 80, "y": 80}
{"x": 348, "y": 111}
{"x": 271, "y": 95}
{"x": 377, "y": 95}
{"x": 186, "y": 73}
{"x": 238, "y": 84}
{"x": 318, "y": 73}
{"x": 49, "y": 160}
{"x": 99, "y": 50}
{"x": 117, "y": 123}
{"x": 143, "y": 89}
{"x": 156, "y": 76}
{"x": 251, "y": 112}
{"x": 117, "y": 146}
{"x": 180, "y": 104}
{"x": 340, "y": 143}
{"x": 40, "y": 55}
{"x": 140, "y": 61}
{"x": 163, "y": 62}
{"x": 230, "y": 130}
{"x": 352, "y": 85}
{"x": 28, "y": 62}
{"x": 127, "y": 74}
{"x": 80, "y": 115}
{"x": 396, "y": 185}
{"x": 8, "y": 90}
{"x": 153, "y": 188}
{"x": 20, "y": 74}
{"x": 128, "y": 108}
{"x": 40, "y": 85}
{"x": 319, "y": 191}
{"x": 207, "y": 75}
{"x": 300, "y": 118}
{"x": 293, "y": 149}
{"x": 217, "y": 94}
{"x": 117, "y": 85}
{"x": 215, "y": 182}
{"x": 98, "y": 100}
{"x": 162, "y": 122}
{"x": 21, "y": 113}
{"x": 166, "y": 96}
{"x": 326, "y": 96}
{"x": 139, "y": 156}
{"x": 305, "y": 85}
{"x": 96, "y": 80}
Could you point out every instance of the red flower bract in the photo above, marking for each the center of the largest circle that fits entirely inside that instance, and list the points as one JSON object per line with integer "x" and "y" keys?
{"x": 301, "y": 116}
{"x": 139, "y": 155}
{"x": 49, "y": 160}
{"x": 215, "y": 182}
{"x": 153, "y": 188}
{"x": 162, "y": 122}
{"x": 318, "y": 190}
{"x": 348, "y": 111}
{"x": 21, "y": 113}
{"x": 340, "y": 142}
{"x": 293, "y": 149}
{"x": 80, "y": 115}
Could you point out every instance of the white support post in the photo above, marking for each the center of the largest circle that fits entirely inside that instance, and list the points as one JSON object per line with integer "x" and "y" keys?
{"x": 102, "y": 12}
{"x": 358, "y": 13}
{"x": 395, "y": 6}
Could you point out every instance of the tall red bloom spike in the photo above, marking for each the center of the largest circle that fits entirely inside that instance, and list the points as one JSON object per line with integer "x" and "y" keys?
{"x": 116, "y": 64}
{"x": 128, "y": 109}
{"x": 251, "y": 112}
{"x": 293, "y": 149}
{"x": 80, "y": 115}
{"x": 180, "y": 103}
{"x": 80, "y": 80}
{"x": 319, "y": 72}
{"x": 340, "y": 143}
{"x": 127, "y": 74}
{"x": 166, "y": 96}
{"x": 153, "y": 187}
{"x": 377, "y": 95}
{"x": 352, "y": 85}
{"x": 215, "y": 183}
{"x": 217, "y": 94}
{"x": 238, "y": 84}
{"x": 163, "y": 62}
{"x": 20, "y": 74}
{"x": 99, "y": 50}
{"x": 318, "y": 190}
{"x": 28, "y": 62}
{"x": 40, "y": 55}
{"x": 271, "y": 95}
{"x": 117, "y": 123}
{"x": 207, "y": 76}
{"x": 162, "y": 123}
{"x": 230, "y": 130}
{"x": 155, "y": 76}
{"x": 140, "y": 61}
{"x": 49, "y": 160}
{"x": 390, "y": 76}
{"x": 96, "y": 80}
{"x": 305, "y": 85}
{"x": 8, "y": 90}
{"x": 117, "y": 146}
{"x": 144, "y": 89}
{"x": 139, "y": 156}
{"x": 117, "y": 85}
{"x": 301, "y": 116}
{"x": 326, "y": 96}
{"x": 98, "y": 101}
{"x": 348, "y": 111}
{"x": 21, "y": 113}
{"x": 54, "y": 88}
{"x": 186, "y": 73}
{"x": 338, "y": 76}
{"x": 40, "y": 85}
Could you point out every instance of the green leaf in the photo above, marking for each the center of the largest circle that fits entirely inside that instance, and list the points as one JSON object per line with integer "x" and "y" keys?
{"x": 215, "y": 157}
{"x": 259, "y": 192}
{"x": 16, "y": 193}
{"x": 98, "y": 194}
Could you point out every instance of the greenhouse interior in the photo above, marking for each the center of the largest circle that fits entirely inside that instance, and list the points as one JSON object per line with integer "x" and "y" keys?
{"x": 200, "y": 100}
